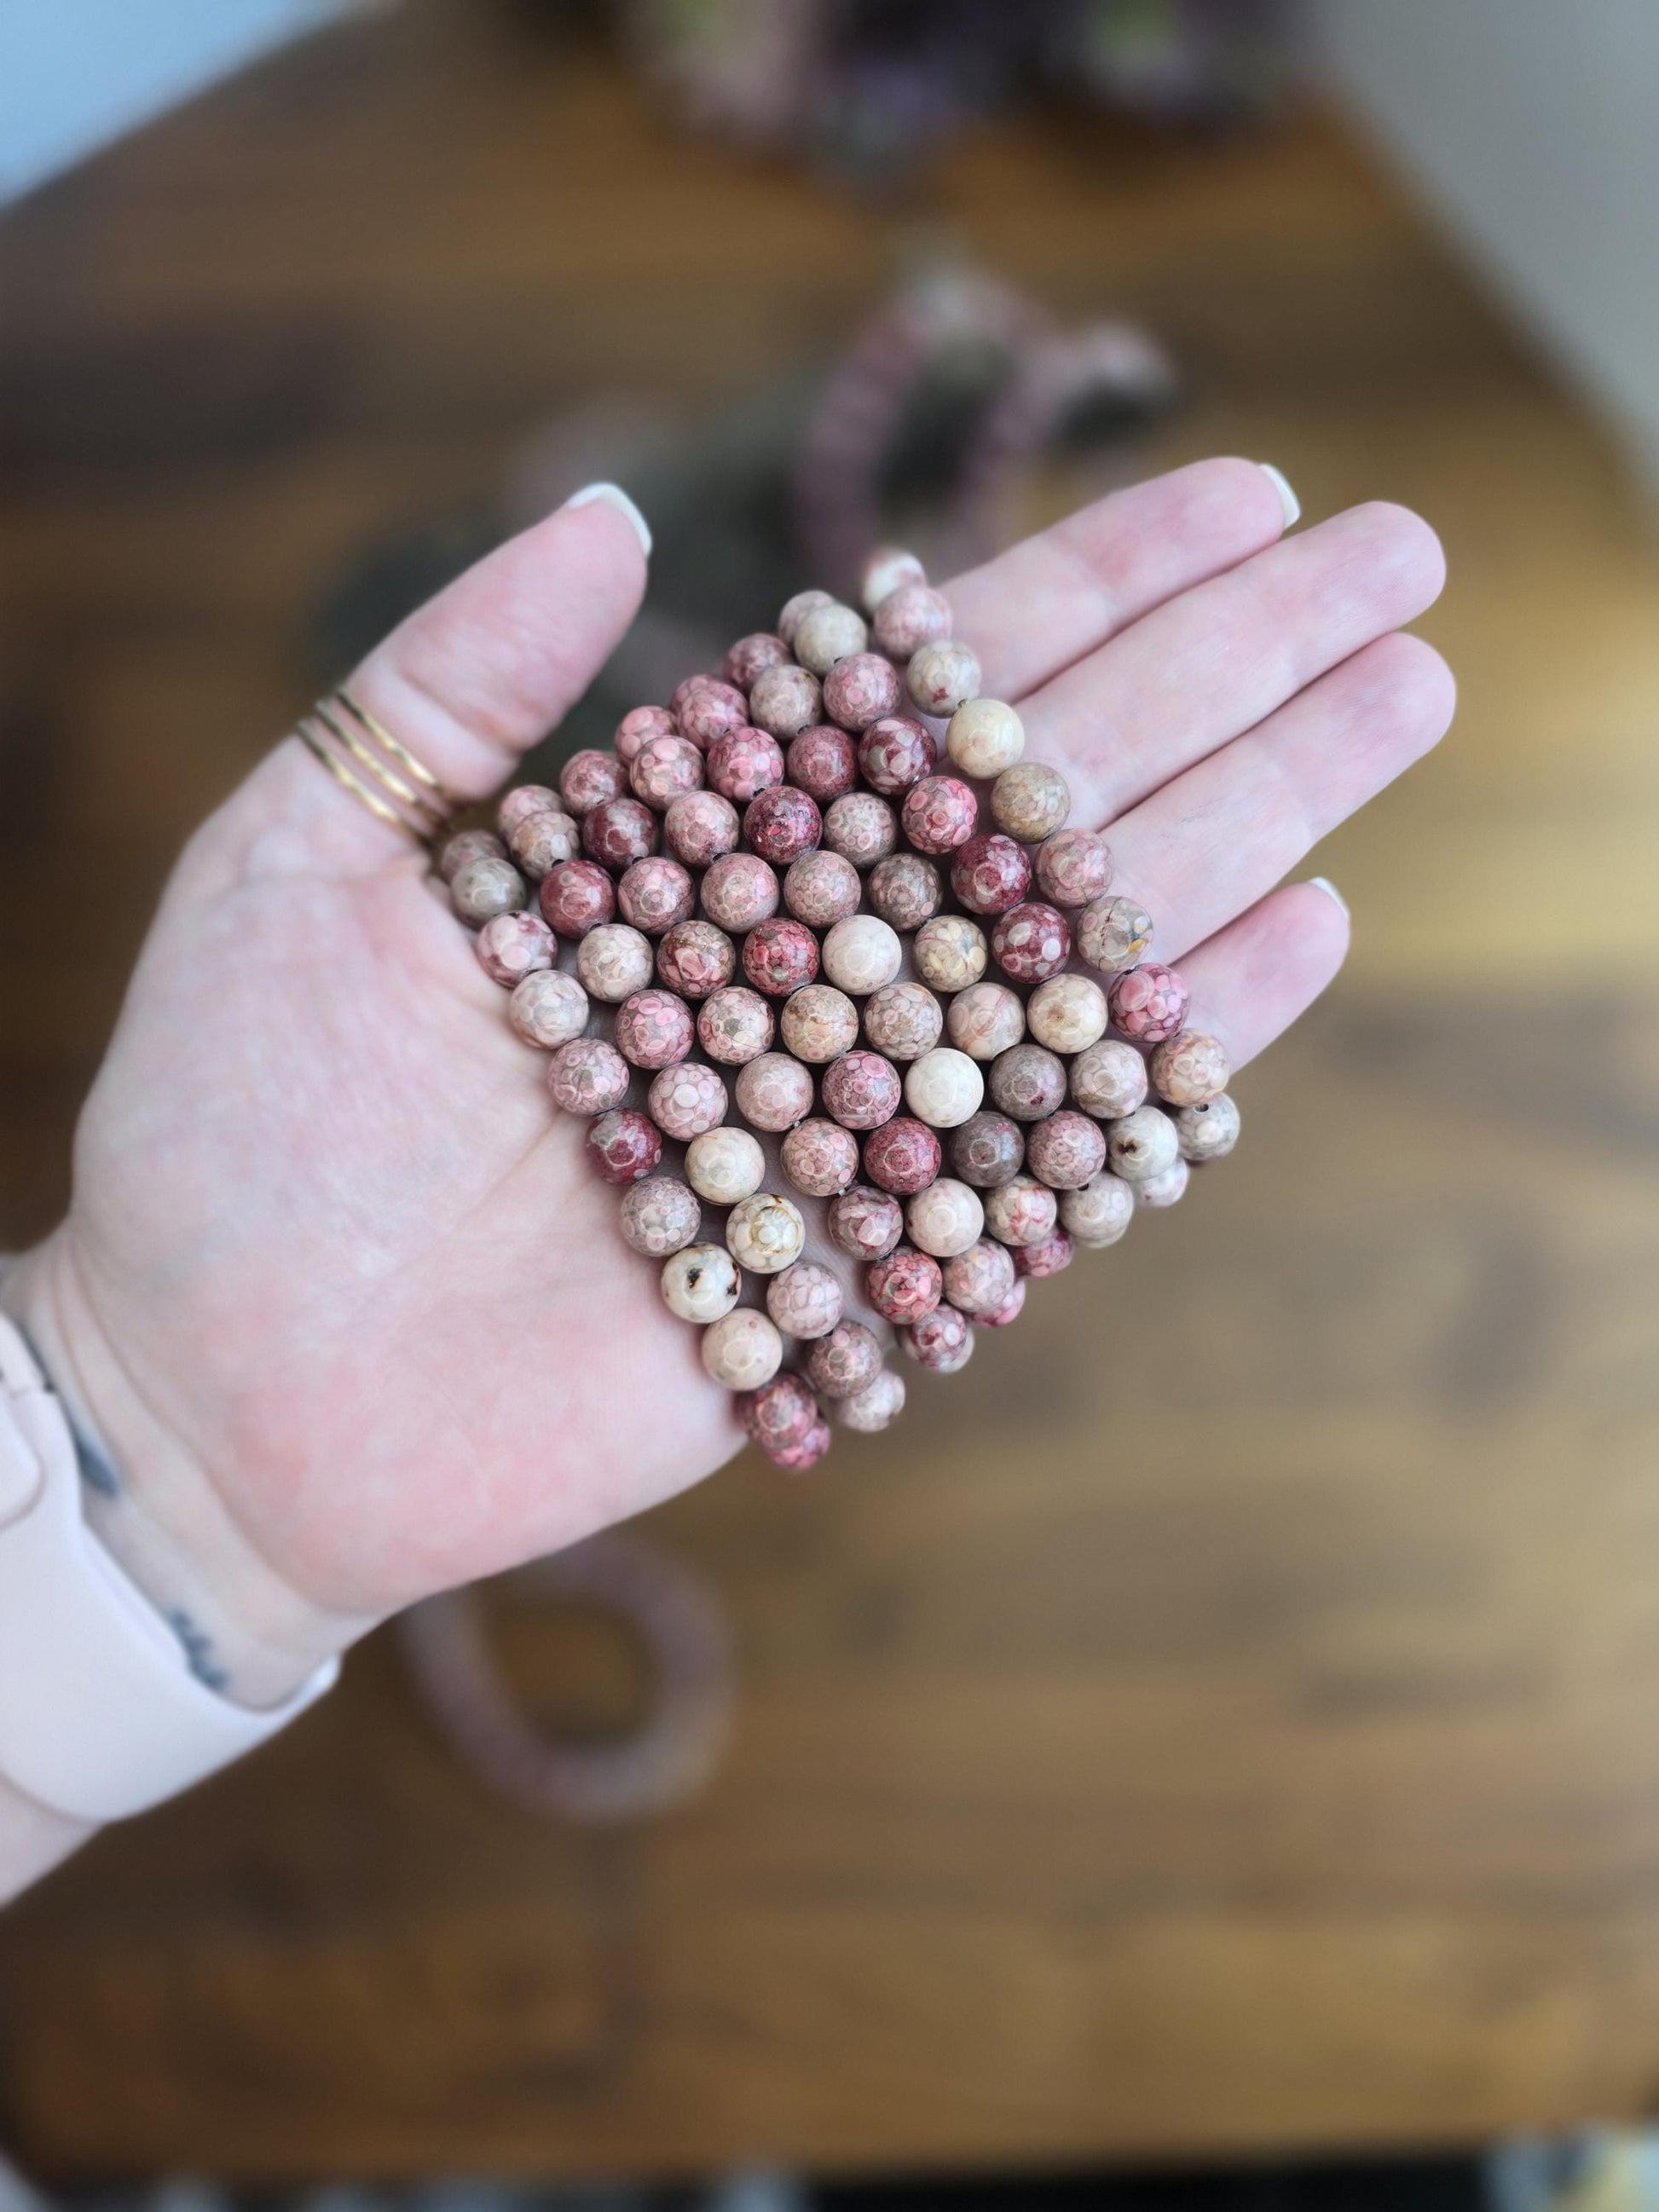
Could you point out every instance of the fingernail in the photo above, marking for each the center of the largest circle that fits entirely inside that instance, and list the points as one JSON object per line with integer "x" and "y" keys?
{"x": 1281, "y": 485}
{"x": 609, "y": 494}
{"x": 1330, "y": 889}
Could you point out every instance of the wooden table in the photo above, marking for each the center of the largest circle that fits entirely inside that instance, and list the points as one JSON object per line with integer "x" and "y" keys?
{"x": 1237, "y": 1726}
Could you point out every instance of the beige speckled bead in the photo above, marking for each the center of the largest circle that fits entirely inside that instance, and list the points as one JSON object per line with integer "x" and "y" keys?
{"x": 524, "y": 799}
{"x": 1168, "y": 1188}
{"x": 1021, "y": 1212}
{"x": 1142, "y": 1145}
{"x": 845, "y": 1362}
{"x": 950, "y": 951}
{"x": 1067, "y": 1013}
{"x": 820, "y": 1157}
{"x": 548, "y": 1007}
{"x": 473, "y": 845}
{"x": 805, "y": 1300}
{"x": 733, "y": 1025}
{"x": 795, "y": 611}
{"x": 862, "y": 953}
{"x": 1207, "y": 1132}
{"x": 1030, "y": 801}
{"x": 1099, "y": 1213}
{"x": 942, "y": 676}
{"x": 775, "y": 1091}
{"x": 765, "y": 1233}
{"x": 824, "y": 636}
{"x": 887, "y": 569}
{"x": 742, "y": 1351}
{"x": 1108, "y": 1080}
{"x": 614, "y": 961}
{"x": 903, "y": 1020}
{"x": 818, "y": 1023}
{"x": 945, "y": 1218}
{"x": 986, "y": 736}
{"x": 700, "y": 1282}
{"x": 484, "y": 888}
{"x": 1189, "y": 1068}
{"x": 944, "y": 1088}
{"x": 725, "y": 1166}
{"x": 984, "y": 1019}
{"x": 543, "y": 839}
{"x": 876, "y": 1406}
{"x": 659, "y": 1216}
{"x": 979, "y": 1281}
{"x": 1113, "y": 934}
{"x": 784, "y": 702}
{"x": 822, "y": 888}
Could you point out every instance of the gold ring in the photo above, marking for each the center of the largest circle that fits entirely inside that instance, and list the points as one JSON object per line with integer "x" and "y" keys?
{"x": 395, "y": 786}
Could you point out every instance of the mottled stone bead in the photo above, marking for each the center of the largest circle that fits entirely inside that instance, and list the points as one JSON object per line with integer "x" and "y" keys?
{"x": 903, "y": 1156}
{"x": 1046, "y": 1257}
{"x": 779, "y": 955}
{"x": 710, "y": 711}
{"x": 742, "y": 1350}
{"x": 890, "y": 568}
{"x": 733, "y": 1025}
{"x": 1031, "y": 942}
{"x": 1010, "y": 1312}
{"x": 942, "y": 1340}
{"x": 944, "y": 1088}
{"x": 861, "y": 689}
{"x": 1100, "y": 1211}
{"x": 906, "y": 889}
{"x": 623, "y": 1145}
{"x": 585, "y": 1075}
{"x": 988, "y": 1150}
{"x": 751, "y": 656}
{"x": 818, "y": 1024}
{"x": 785, "y": 701}
{"x": 725, "y": 1166}
{"x": 981, "y": 1281}
{"x": 483, "y": 888}
{"x": 1030, "y": 800}
{"x": 743, "y": 762}
{"x": 865, "y": 1223}
{"x": 861, "y": 826}
{"x": 686, "y": 1099}
{"x": 939, "y": 813}
{"x": 1027, "y": 1081}
{"x": 547, "y": 1007}
{"x": 876, "y": 1406}
{"x": 822, "y": 888}
{"x": 511, "y": 947}
{"x": 664, "y": 769}
{"x": 655, "y": 1029}
{"x": 910, "y": 617}
{"x": 805, "y": 1300}
{"x": 765, "y": 1233}
{"x": 1108, "y": 1080}
{"x": 588, "y": 779}
{"x": 862, "y": 1089}
{"x": 1112, "y": 934}
{"x": 820, "y": 1158}
{"x": 1074, "y": 867}
{"x": 655, "y": 893}
{"x": 740, "y": 890}
{"x": 795, "y": 1459}
{"x": 696, "y": 957}
{"x": 905, "y": 1286}
{"x": 1149, "y": 1004}
{"x": 1189, "y": 1068}
{"x": 827, "y": 635}
{"x": 1207, "y": 1132}
{"x": 782, "y": 824}
{"x": 794, "y": 612}
{"x": 985, "y": 736}
{"x": 861, "y": 953}
{"x": 1142, "y": 1145}
{"x": 1022, "y": 1211}
{"x": 823, "y": 761}
{"x": 846, "y": 1361}
{"x": 637, "y": 726}
{"x": 700, "y": 825}
{"x": 1066, "y": 1149}
{"x": 659, "y": 1215}
{"x": 700, "y": 1283}
{"x": 894, "y": 752}
{"x": 779, "y": 1414}
{"x": 542, "y": 839}
{"x": 613, "y": 962}
{"x": 945, "y": 1218}
{"x": 1168, "y": 1188}
{"x": 990, "y": 874}
{"x": 949, "y": 952}
{"x": 468, "y": 845}
{"x": 516, "y": 806}
{"x": 903, "y": 1020}
{"x": 576, "y": 896}
{"x": 942, "y": 676}
{"x": 986, "y": 1020}
{"x": 774, "y": 1093}
{"x": 1067, "y": 1013}
{"x": 618, "y": 831}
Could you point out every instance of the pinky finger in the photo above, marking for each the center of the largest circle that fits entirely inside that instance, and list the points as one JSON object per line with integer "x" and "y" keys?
{"x": 1251, "y": 980}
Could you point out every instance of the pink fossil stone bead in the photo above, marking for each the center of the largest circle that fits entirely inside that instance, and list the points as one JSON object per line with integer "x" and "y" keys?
{"x": 981, "y": 1281}
{"x": 1142, "y": 1145}
{"x": 1166, "y": 1189}
{"x": 861, "y": 689}
{"x": 774, "y": 1093}
{"x": 845, "y": 1361}
{"x": 861, "y": 953}
{"x": 739, "y": 890}
{"x": 613, "y": 962}
{"x": 1149, "y": 1003}
{"x": 828, "y": 634}
{"x": 476, "y": 845}
{"x": 753, "y": 655}
{"x": 903, "y": 1020}
{"x": 794, "y": 612}
{"x": 1066, "y": 1151}
{"x": 699, "y": 826}
{"x": 588, "y": 779}
{"x": 686, "y": 1099}
{"x": 664, "y": 769}
{"x": 822, "y": 762}
{"x": 863, "y": 1223}
{"x": 1112, "y": 934}
{"x": 822, "y": 888}
{"x": 637, "y": 726}
{"x": 765, "y": 1232}
{"x": 949, "y": 952}
{"x": 743, "y": 762}
{"x": 659, "y": 1215}
{"x": 986, "y": 1020}
{"x": 895, "y": 752}
{"x": 1028, "y": 1081}
{"x": 1011, "y": 1311}
{"x": 945, "y": 1218}
{"x": 795, "y": 1459}
{"x": 818, "y": 1024}
{"x": 939, "y": 813}
{"x": 585, "y": 1075}
{"x": 779, "y": 955}
{"x": 1189, "y": 1068}
{"x": 1031, "y": 941}
{"x": 888, "y": 569}
{"x": 906, "y": 889}
{"x": 1067, "y": 1013}
{"x": 913, "y": 616}
{"x": 860, "y": 826}
{"x": 707, "y": 713}
{"x": 990, "y": 874}
{"x": 547, "y": 1007}
{"x": 905, "y": 1286}
{"x": 742, "y": 1350}
{"x": 576, "y": 896}
{"x": 625, "y": 1146}
{"x": 733, "y": 1025}
{"x": 1100, "y": 1211}
{"x": 1046, "y": 1257}
{"x": 542, "y": 839}
{"x": 1207, "y": 1132}
{"x": 1030, "y": 801}
{"x": 655, "y": 893}
{"x": 862, "y": 1089}
{"x": 1021, "y": 1211}
{"x": 511, "y": 947}
{"x": 779, "y": 1414}
{"x": 688, "y": 686}
{"x": 696, "y": 957}
{"x": 805, "y": 1300}
{"x": 903, "y": 1156}
{"x": 988, "y": 1150}
{"x": 655, "y": 1029}
{"x": 942, "y": 674}
{"x": 876, "y": 1406}
{"x": 518, "y": 805}
{"x": 1074, "y": 867}
{"x": 943, "y": 1339}
{"x": 820, "y": 1158}
{"x": 785, "y": 701}
{"x": 1108, "y": 1080}
{"x": 617, "y": 832}
{"x": 482, "y": 889}
{"x": 782, "y": 824}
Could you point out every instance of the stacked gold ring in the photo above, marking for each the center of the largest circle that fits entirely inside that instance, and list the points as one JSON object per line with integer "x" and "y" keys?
{"x": 395, "y": 786}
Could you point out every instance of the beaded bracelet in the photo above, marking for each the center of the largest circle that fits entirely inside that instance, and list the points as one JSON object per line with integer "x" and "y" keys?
{"x": 729, "y": 896}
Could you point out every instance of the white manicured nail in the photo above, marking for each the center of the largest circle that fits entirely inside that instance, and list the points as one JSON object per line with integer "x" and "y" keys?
{"x": 1281, "y": 485}
{"x": 1330, "y": 890}
{"x": 609, "y": 494}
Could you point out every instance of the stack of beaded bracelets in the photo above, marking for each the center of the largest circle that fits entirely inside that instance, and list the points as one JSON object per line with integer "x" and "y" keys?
{"x": 659, "y": 871}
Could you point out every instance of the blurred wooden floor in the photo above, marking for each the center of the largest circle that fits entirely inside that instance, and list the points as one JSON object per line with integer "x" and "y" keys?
{"x": 1270, "y": 1758}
